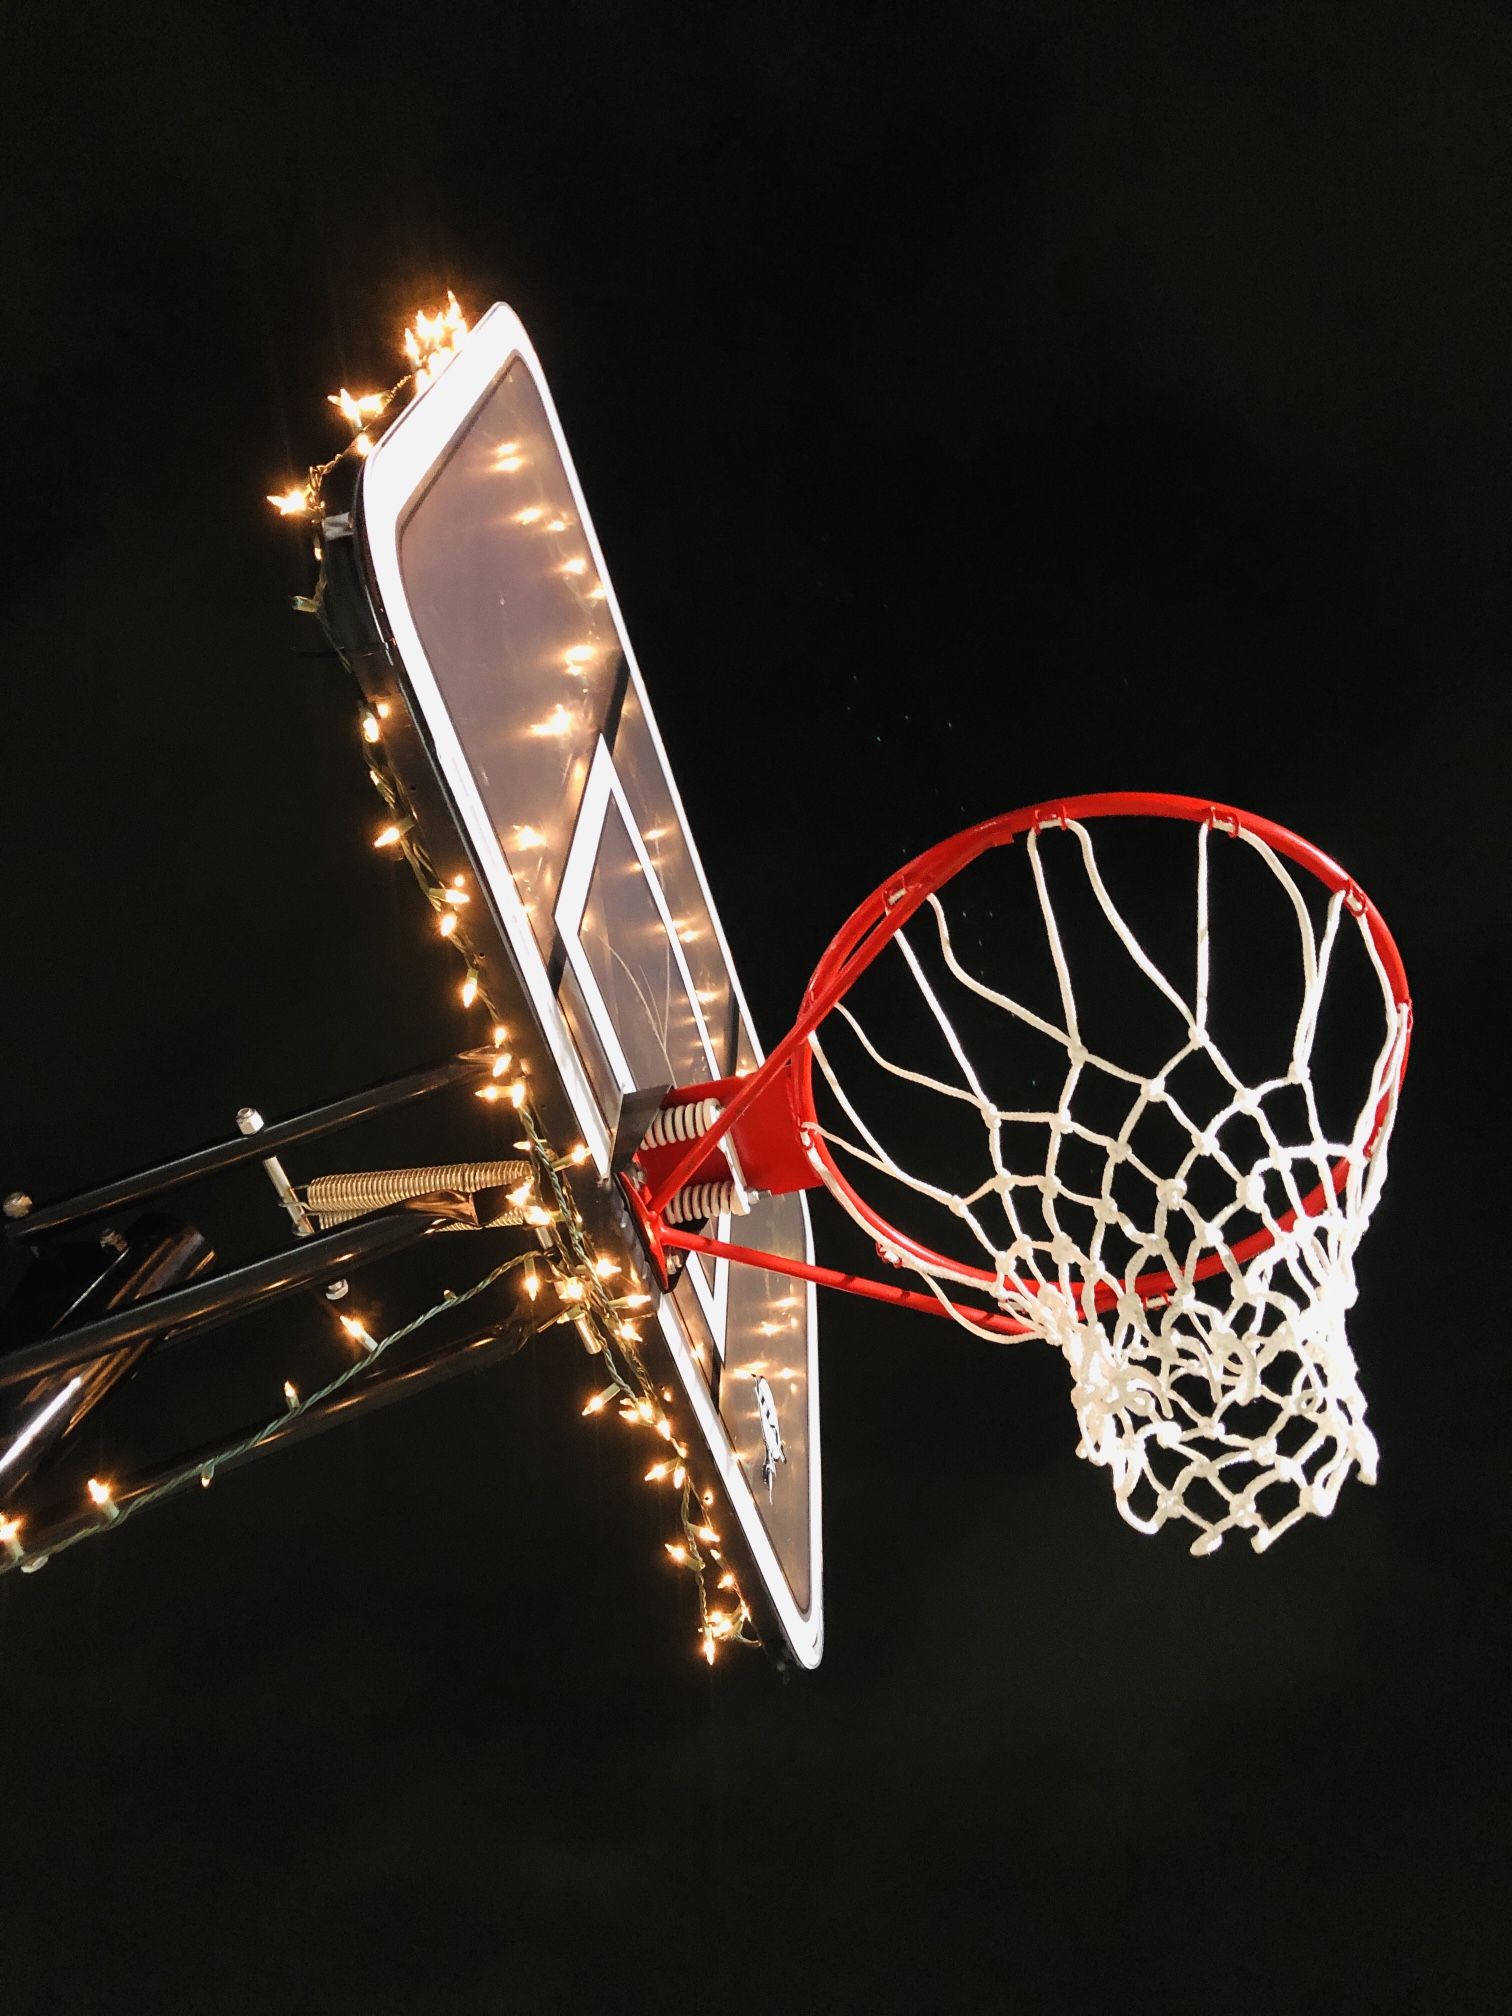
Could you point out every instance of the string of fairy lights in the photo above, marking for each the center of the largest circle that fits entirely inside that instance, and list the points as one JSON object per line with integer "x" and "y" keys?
{"x": 563, "y": 1282}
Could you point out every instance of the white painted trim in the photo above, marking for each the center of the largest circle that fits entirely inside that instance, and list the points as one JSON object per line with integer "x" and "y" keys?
{"x": 603, "y": 788}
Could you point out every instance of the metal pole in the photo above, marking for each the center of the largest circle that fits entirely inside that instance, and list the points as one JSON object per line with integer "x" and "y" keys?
{"x": 160, "y": 1254}
{"x": 383, "y": 1385}
{"x": 184, "y": 1312}
{"x": 268, "y": 1141}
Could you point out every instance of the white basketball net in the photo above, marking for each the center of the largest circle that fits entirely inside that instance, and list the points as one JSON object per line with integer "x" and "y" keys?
{"x": 1232, "y": 1401}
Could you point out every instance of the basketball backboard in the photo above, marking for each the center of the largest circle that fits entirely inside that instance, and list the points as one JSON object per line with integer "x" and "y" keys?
{"x": 527, "y": 731}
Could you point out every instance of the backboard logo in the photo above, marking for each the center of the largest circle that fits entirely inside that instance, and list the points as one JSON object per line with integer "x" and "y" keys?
{"x": 766, "y": 1406}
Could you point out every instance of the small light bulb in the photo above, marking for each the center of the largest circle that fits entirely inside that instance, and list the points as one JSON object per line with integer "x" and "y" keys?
{"x": 517, "y": 1094}
{"x": 708, "y": 1648}
{"x": 10, "y": 1537}
{"x": 580, "y": 654}
{"x": 99, "y": 1492}
{"x": 500, "y": 1034}
{"x": 291, "y": 503}
{"x": 601, "y": 1400}
{"x": 491, "y": 1093}
{"x": 530, "y": 515}
{"x": 657, "y": 1471}
{"x": 726, "y": 1581}
{"x": 446, "y": 923}
{"x": 383, "y": 710}
{"x": 291, "y": 1393}
{"x": 389, "y": 837}
{"x": 532, "y": 1283}
{"x": 363, "y": 444}
{"x": 679, "y": 1477}
{"x": 578, "y": 1155}
{"x": 678, "y": 1552}
{"x": 637, "y": 1299}
{"x": 367, "y": 406}
{"x": 605, "y": 1268}
{"x": 359, "y": 1333}
{"x": 578, "y": 566}
{"x": 500, "y": 1064}
{"x": 469, "y": 988}
{"x": 371, "y": 732}
{"x": 708, "y": 1536}
{"x": 664, "y": 1429}
{"x": 571, "y": 1291}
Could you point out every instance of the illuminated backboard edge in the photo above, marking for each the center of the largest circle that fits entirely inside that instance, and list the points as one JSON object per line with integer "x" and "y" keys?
{"x": 391, "y": 480}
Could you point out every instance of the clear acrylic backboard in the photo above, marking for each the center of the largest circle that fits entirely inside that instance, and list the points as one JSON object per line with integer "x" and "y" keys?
{"x": 510, "y": 652}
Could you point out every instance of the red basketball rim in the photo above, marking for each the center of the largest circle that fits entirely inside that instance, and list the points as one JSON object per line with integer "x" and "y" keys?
{"x": 877, "y": 921}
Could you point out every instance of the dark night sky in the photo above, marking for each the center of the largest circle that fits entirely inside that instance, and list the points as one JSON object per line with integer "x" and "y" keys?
{"x": 975, "y": 405}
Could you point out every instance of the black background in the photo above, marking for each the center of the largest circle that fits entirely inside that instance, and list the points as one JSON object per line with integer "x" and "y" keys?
{"x": 975, "y": 406}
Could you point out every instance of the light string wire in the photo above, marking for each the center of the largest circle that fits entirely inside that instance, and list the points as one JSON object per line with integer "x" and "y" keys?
{"x": 579, "y": 1277}
{"x": 203, "y": 1469}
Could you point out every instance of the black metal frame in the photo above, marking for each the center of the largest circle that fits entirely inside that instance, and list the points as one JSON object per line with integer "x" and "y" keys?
{"x": 385, "y": 1383}
{"x": 157, "y": 1305}
{"x": 145, "y": 1184}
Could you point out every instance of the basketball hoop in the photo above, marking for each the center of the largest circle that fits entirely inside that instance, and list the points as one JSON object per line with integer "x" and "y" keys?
{"x": 1200, "y": 1302}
